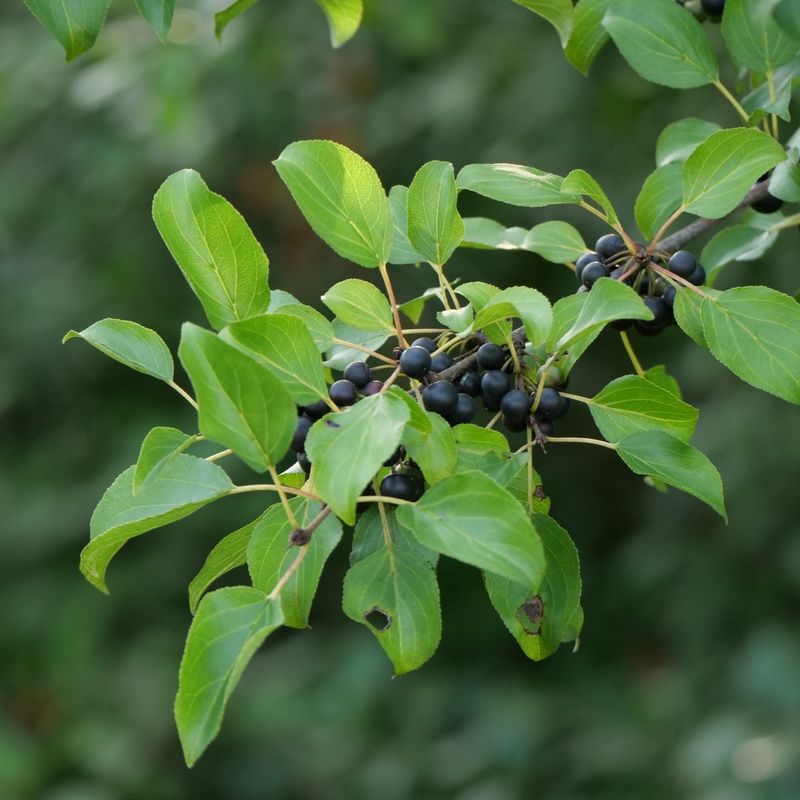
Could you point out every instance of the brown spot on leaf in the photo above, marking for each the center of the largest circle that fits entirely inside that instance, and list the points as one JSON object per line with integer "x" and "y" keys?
{"x": 331, "y": 424}
{"x": 531, "y": 615}
{"x": 539, "y": 493}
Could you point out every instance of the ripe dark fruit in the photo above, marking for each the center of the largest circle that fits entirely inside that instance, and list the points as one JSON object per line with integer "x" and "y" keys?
{"x": 441, "y": 397}
{"x": 593, "y": 272}
{"x": 441, "y": 362}
{"x": 491, "y": 356}
{"x": 516, "y": 405}
{"x": 305, "y": 464}
{"x": 698, "y": 277}
{"x": 494, "y": 384}
{"x": 425, "y": 343}
{"x": 318, "y": 409}
{"x": 552, "y": 405}
{"x": 669, "y": 295}
{"x": 373, "y": 387}
{"x": 545, "y": 426}
{"x": 470, "y": 384}
{"x": 621, "y": 324}
{"x": 584, "y": 261}
{"x": 415, "y": 362}
{"x": 357, "y": 373}
{"x": 768, "y": 205}
{"x": 682, "y": 263}
{"x": 662, "y": 315}
{"x": 465, "y": 410}
{"x": 298, "y": 442}
{"x": 713, "y": 8}
{"x": 343, "y": 393}
{"x": 400, "y": 486}
{"x": 609, "y": 245}
{"x": 514, "y": 424}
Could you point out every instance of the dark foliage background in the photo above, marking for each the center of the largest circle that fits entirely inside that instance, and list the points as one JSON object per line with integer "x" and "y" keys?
{"x": 686, "y": 682}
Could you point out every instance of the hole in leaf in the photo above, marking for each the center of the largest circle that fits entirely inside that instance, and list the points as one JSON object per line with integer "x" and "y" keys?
{"x": 531, "y": 615}
{"x": 378, "y": 619}
{"x": 331, "y": 424}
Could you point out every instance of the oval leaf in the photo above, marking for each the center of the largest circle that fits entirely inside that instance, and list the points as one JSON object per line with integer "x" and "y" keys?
{"x": 754, "y": 39}
{"x": 513, "y": 184}
{"x": 679, "y": 139}
{"x": 344, "y": 17}
{"x": 184, "y": 485}
{"x": 461, "y": 518}
{"x": 341, "y": 197}
{"x": 531, "y": 306}
{"x": 359, "y": 304}
{"x": 559, "y": 13}
{"x": 74, "y": 24}
{"x": 158, "y": 448}
{"x": 159, "y": 14}
{"x": 230, "y": 625}
{"x": 579, "y": 182}
{"x": 215, "y": 249}
{"x": 588, "y": 34}
{"x": 131, "y": 344}
{"x": 555, "y": 241}
{"x": 659, "y": 198}
{"x": 402, "y": 251}
{"x": 242, "y": 405}
{"x": 718, "y": 174}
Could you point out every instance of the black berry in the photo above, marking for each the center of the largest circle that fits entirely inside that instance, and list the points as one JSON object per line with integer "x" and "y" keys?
{"x": 669, "y": 295}
{"x": 441, "y": 397}
{"x": 516, "y": 405}
{"x": 465, "y": 410}
{"x": 698, "y": 277}
{"x": 551, "y": 404}
{"x": 305, "y": 464}
{"x": 593, "y": 272}
{"x": 425, "y": 343}
{"x": 713, "y": 8}
{"x": 373, "y": 387}
{"x": 494, "y": 384}
{"x": 491, "y": 356}
{"x": 545, "y": 426}
{"x": 662, "y": 315}
{"x": 514, "y": 424}
{"x": 584, "y": 261}
{"x": 682, "y": 263}
{"x": 441, "y": 362}
{"x": 300, "y": 431}
{"x": 470, "y": 384}
{"x": 415, "y": 362}
{"x": 400, "y": 486}
{"x": 768, "y": 204}
{"x": 609, "y": 245}
{"x": 318, "y": 409}
{"x": 343, "y": 393}
{"x": 358, "y": 373}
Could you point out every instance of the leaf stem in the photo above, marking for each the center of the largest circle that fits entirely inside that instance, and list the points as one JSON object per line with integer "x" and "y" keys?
{"x": 493, "y": 421}
{"x": 663, "y": 229}
{"x": 379, "y": 498}
{"x": 401, "y": 340}
{"x": 425, "y": 330}
{"x": 637, "y": 365}
{"x": 284, "y": 499}
{"x": 582, "y": 440}
{"x": 271, "y": 487}
{"x": 732, "y": 100}
{"x": 389, "y": 381}
{"x": 183, "y": 393}
{"x": 221, "y": 454}
{"x": 284, "y": 579}
{"x": 788, "y": 222}
{"x": 354, "y": 346}
{"x": 514, "y": 357}
{"x": 529, "y": 437}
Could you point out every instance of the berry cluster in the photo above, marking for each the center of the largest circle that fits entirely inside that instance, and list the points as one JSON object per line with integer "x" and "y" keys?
{"x": 612, "y": 259}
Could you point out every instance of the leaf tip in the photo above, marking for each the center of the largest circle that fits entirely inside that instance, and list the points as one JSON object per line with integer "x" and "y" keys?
{"x": 69, "y": 335}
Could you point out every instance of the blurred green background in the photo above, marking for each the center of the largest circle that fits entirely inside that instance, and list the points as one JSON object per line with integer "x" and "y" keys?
{"x": 687, "y": 680}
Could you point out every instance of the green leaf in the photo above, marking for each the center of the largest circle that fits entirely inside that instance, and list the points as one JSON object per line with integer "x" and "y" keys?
{"x": 663, "y": 42}
{"x": 479, "y": 294}
{"x": 530, "y": 305}
{"x": 131, "y": 344}
{"x": 458, "y": 320}
{"x": 369, "y": 536}
{"x": 718, "y": 174}
{"x": 688, "y": 309}
{"x": 676, "y": 463}
{"x": 283, "y": 345}
{"x": 755, "y": 332}
{"x": 785, "y": 180}
{"x": 230, "y": 625}
{"x": 470, "y": 518}
{"x": 269, "y": 557}
{"x": 631, "y": 404}
{"x": 215, "y": 249}
{"x": 184, "y": 484}
{"x": 513, "y": 184}
{"x": 344, "y": 18}
{"x": 228, "y": 14}
{"x": 540, "y": 618}
{"x": 555, "y": 241}
{"x": 339, "y": 355}
{"x": 659, "y": 198}
{"x": 661, "y": 378}
{"x": 787, "y": 15}
{"x": 737, "y": 243}
{"x": 402, "y": 251}
{"x": 242, "y": 405}
{"x": 435, "y": 227}
{"x": 348, "y": 448}
{"x": 609, "y": 300}
{"x": 558, "y": 13}
{"x": 579, "y": 182}
{"x": 75, "y": 23}
{"x": 754, "y": 39}
{"x": 227, "y": 554}
{"x": 775, "y": 98}
{"x": 160, "y": 446}
{"x": 394, "y": 593}
{"x": 359, "y": 304}
{"x": 320, "y": 330}
{"x": 588, "y": 34}
{"x": 680, "y": 139}
{"x": 435, "y": 451}
{"x": 159, "y": 14}
{"x": 341, "y": 197}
